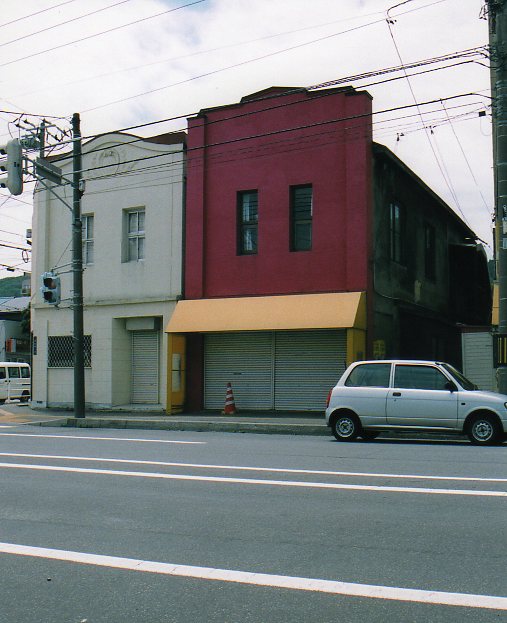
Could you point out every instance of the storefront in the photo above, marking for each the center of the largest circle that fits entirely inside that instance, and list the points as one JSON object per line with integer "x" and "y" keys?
{"x": 280, "y": 353}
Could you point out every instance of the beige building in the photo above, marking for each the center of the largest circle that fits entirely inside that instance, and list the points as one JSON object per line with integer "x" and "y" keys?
{"x": 132, "y": 248}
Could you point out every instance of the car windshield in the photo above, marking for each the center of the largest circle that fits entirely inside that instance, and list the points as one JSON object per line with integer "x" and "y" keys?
{"x": 462, "y": 380}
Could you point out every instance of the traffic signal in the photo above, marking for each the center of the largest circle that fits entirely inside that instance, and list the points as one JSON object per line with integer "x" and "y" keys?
{"x": 51, "y": 288}
{"x": 11, "y": 163}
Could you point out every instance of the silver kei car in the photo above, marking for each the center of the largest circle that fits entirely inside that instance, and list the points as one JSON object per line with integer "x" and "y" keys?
{"x": 375, "y": 396}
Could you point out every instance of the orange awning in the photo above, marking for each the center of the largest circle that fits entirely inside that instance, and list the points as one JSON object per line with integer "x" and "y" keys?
{"x": 269, "y": 313}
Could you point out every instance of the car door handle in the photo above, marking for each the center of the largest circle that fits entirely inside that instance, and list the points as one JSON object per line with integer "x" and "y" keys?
{"x": 396, "y": 393}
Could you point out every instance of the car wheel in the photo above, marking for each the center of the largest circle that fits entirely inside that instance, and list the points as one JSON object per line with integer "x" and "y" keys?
{"x": 345, "y": 427}
{"x": 484, "y": 430}
{"x": 368, "y": 435}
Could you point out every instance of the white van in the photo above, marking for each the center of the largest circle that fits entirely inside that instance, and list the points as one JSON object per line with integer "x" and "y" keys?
{"x": 14, "y": 381}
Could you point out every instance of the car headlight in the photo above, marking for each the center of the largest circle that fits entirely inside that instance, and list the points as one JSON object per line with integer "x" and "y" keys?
{"x": 505, "y": 404}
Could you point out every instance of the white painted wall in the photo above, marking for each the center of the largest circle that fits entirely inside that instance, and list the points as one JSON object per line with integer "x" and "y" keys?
{"x": 120, "y": 173}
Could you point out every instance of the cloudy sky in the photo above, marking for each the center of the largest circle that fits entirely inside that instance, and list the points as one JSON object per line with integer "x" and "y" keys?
{"x": 121, "y": 63}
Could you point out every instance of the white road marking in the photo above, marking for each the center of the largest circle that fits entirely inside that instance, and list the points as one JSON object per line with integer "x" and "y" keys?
{"x": 101, "y": 438}
{"x": 252, "y": 481}
{"x": 277, "y": 470}
{"x": 466, "y": 600}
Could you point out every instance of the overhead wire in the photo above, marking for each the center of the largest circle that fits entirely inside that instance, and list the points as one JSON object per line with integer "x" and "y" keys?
{"x": 69, "y": 21}
{"x": 19, "y": 19}
{"x": 490, "y": 210}
{"x": 197, "y": 53}
{"x": 104, "y": 32}
{"x": 440, "y": 162}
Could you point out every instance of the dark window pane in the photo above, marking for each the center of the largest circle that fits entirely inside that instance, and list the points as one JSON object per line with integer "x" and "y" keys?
{"x": 248, "y": 216}
{"x": 429, "y": 252}
{"x": 398, "y": 233}
{"x": 419, "y": 377}
{"x": 303, "y": 236}
{"x": 301, "y": 214}
{"x": 13, "y": 373}
{"x": 370, "y": 375}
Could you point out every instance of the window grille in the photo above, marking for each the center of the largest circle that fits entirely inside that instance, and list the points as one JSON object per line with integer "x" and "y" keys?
{"x": 61, "y": 351}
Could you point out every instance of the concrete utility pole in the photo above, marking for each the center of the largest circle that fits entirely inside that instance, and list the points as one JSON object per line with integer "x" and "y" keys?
{"x": 497, "y": 14}
{"x": 77, "y": 271}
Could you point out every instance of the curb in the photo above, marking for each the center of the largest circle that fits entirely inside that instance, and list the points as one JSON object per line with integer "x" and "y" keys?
{"x": 197, "y": 426}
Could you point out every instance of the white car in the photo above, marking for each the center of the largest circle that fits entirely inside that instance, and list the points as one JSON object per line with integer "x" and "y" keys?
{"x": 373, "y": 396}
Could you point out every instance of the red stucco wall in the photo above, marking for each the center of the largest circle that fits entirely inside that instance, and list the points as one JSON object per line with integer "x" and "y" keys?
{"x": 270, "y": 145}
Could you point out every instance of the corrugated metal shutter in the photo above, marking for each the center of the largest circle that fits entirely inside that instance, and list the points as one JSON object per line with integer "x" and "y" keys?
{"x": 145, "y": 367}
{"x": 244, "y": 360}
{"x": 283, "y": 370}
{"x": 307, "y": 366}
{"x": 478, "y": 359}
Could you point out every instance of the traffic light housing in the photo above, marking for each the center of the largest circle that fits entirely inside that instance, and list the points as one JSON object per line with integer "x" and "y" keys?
{"x": 51, "y": 288}
{"x": 11, "y": 164}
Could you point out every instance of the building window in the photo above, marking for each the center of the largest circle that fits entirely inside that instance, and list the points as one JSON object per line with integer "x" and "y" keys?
{"x": 135, "y": 235}
{"x": 248, "y": 218}
{"x": 430, "y": 263}
{"x": 398, "y": 234}
{"x": 301, "y": 213}
{"x": 61, "y": 351}
{"x": 87, "y": 236}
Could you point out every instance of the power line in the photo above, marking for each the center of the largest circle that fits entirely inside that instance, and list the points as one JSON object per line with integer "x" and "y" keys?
{"x": 470, "y": 169}
{"x": 104, "y": 32}
{"x": 19, "y": 19}
{"x": 233, "y": 66}
{"x": 69, "y": 21}
{"x": 440, "y": 162}
{"x": 197, "y": 53}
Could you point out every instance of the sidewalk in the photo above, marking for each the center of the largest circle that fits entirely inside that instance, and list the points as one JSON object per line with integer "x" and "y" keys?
{"x": 248, "y": 422}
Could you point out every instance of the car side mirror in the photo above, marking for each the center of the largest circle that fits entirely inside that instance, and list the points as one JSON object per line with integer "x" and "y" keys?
{"x": 450, "y": 386}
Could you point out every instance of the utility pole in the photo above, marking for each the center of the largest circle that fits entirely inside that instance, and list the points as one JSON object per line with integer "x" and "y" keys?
{"x": 77, "y": 271}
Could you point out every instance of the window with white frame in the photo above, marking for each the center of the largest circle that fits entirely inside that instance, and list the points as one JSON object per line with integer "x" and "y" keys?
{"x": 135, "y": 235}
{"x": 87, "y": 236}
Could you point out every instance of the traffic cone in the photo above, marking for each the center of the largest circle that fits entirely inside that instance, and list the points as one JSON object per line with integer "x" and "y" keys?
{"x": 230, "y": 405}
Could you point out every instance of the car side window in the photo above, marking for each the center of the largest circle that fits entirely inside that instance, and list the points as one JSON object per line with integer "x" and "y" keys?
{"x": 419, "y": 377}
{"x": 2, "y": 373}
{"x": 13, "y": 373}
{"x": 369, "y": 375}
{"x": 25, "y": 373}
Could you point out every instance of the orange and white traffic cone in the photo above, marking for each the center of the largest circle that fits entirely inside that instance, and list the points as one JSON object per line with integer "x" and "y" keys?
{"x": 230, "y": 405}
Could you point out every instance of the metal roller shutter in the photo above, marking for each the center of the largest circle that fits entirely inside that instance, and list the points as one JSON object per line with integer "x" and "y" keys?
{"x": 145, "y": 367}
{"x": 477, "y": 351}
{"x": 283, "y": 370}
{"x": 244, "y": 360}
{"x": 307, "y": 366}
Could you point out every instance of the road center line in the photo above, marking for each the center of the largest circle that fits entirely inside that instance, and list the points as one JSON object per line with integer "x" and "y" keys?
{"x": 252, "y": 481}
{"x": 276, "y": 470}
{"x": 262, "y": 579}
{"x": 101, "y": 438}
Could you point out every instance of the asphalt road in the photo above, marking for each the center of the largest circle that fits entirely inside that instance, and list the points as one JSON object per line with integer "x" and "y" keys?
{"x": 387, "y": 531}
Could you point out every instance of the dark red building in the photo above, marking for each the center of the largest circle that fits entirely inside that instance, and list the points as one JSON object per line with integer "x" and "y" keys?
{"x": 282, "y": 233}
